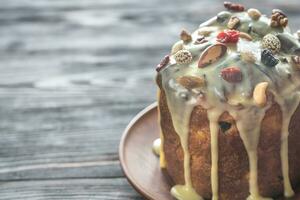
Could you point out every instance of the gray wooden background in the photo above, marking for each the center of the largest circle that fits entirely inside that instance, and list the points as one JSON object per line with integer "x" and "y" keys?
{"x": 72, "y": 75}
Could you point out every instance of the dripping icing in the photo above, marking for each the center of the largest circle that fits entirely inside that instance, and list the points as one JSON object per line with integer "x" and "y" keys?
{"x": 156, "y": 146}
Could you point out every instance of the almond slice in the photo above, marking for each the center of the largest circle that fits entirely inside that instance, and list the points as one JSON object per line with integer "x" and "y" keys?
{"x": 212, "y": 54}
{"x": 191, "y": 82}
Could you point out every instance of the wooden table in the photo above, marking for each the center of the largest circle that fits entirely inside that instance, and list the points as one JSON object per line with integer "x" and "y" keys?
{"x": 73, "y": 74}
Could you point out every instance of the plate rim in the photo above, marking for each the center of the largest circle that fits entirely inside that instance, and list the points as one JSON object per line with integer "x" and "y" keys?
{"x": 125, "y": 134}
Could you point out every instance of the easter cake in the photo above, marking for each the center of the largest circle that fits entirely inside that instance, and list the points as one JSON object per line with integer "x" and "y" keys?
{"x": 229, "y": 110}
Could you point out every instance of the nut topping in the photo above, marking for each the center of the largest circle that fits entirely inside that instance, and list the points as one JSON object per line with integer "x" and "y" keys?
{"x": 259, "y": 94}
{"x": 278, "y": 19}
{"x": 233, "y": 22}
{"x": 185, "y": 36}
{"x": 211, "y": 55}
{"x": 191, "y": 82}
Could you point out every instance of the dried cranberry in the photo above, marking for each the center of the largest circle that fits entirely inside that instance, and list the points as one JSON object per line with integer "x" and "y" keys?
{"x": 231, "y": 74}
{"x": 228, "y": 36}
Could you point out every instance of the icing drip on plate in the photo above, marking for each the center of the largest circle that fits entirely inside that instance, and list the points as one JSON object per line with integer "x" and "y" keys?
{"x": 156, "y": 146}
{"x": 235, "y": 62}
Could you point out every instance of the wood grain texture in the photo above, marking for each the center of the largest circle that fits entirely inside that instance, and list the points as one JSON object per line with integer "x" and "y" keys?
{"x": 73, "y": 74}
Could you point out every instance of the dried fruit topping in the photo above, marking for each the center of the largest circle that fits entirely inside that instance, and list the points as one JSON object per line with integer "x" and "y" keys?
{"x": 254, "y": 13}
{"x": 212, "y": 54}
{"x": 191, "y": 82}
{"x": 228, "y": 36}
{"x": 278, "y": 19}
{"x": 271, "y": 42}
{"x": 233, "y": 22}
{"x": 234, "y": 6}
{"x": 163, "y": 63}
{"x": 200, "y": 40}
{"x": 185, "y": 36}
{"x": 260, "y": 94}
{"x": 177, "y": 47}
{"x": 248, "y": 56}
{"x": 232, "y": 74}
{"x": 245, "y": 36}
{"x": 183, "y": 57}
{"x": 268, "y": 58}
{"x": 296, "y": 61}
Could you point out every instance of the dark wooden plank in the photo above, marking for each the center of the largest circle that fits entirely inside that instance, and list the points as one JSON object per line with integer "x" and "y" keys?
{"x": 108, "y": 189}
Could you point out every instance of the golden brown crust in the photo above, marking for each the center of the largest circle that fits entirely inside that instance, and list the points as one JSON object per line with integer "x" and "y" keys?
{"x": 233, "y": 159}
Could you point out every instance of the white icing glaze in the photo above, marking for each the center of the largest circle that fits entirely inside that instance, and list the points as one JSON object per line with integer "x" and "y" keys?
{"x": 288, "y": 109}
{"x": 156, "y": 146}
{"x": 213, "y": 117}
{"x": 221, "y": 96}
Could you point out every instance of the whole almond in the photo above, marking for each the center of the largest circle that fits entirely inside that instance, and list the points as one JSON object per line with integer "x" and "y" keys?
{"x": 260, "y": 94}
{"x": 211, "y": 54}
{"x": 232, "y": 74}
{"x": 191, "y": 82}
{"x": 254, "y": 13}
{"x": 185, "y": 36}
{"x": 177, "y": 47}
